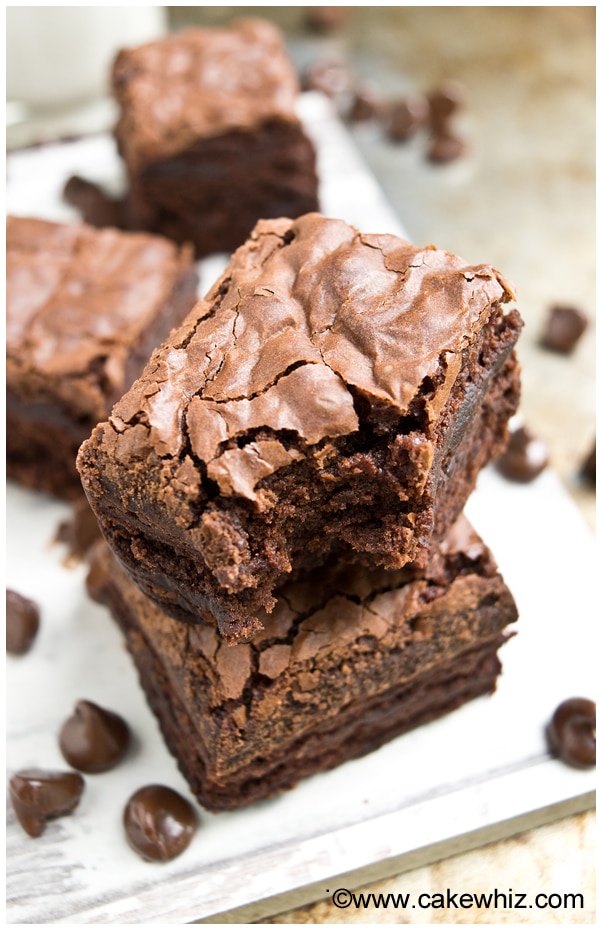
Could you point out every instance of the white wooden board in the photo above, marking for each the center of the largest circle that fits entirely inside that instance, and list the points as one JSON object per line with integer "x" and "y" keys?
{"x": 476, "y": 775}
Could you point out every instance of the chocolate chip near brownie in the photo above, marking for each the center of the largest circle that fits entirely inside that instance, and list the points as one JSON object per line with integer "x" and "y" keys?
{"x": 93, "y": 739}
{"x": 564, "y": 326}
{"x": 209, "y": 134}
{"x": 348, "y": 659}
{"x": 571, "y": 732}
{"x": 525, "y": 456}
{"x": 159, "y": 823}
{"x": 22, "y": 622}
{"x": 85, "y": 307}
{"x": 38, "y": 795}
{"x": 333, "y": 392}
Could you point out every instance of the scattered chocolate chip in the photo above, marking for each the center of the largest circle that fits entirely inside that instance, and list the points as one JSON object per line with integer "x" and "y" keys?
{"x": 405, "y": 117}
{"x": 159, "y": 823}
{"x": 564, "y": 327}
{"x": 93, "y": 739}
{"x": 588, "y": 468}
{"x": 325, "y": 18}
{"x": 365, "y": 105}
{"x": 80, "y": 531}
{"x": 571, "y": 733}
{"x": 22, "y": 622}
{"x": 97, "y": 208}
{"x": 444, "y": 101}
{"x": 328, "y": 77}
{"x": 38, "y": 795}
{"x": 525, "y": 457}
{"x": 445, "y": 147}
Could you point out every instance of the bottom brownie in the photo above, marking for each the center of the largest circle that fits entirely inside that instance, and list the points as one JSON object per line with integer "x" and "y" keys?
{"x": 347, "y": 661}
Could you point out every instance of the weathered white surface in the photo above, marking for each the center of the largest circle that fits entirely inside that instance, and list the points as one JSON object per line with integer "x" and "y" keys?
{"x": 479, "y": 773}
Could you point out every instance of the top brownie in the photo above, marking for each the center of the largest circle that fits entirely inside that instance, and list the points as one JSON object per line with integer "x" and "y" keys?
{"x": 85, "y": 308}
{"x": 200, "y": 83}
{"x": 334, "y": 393}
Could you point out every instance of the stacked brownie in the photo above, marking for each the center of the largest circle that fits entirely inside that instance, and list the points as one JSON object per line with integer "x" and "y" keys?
{"x": 85, "y": 308}
{"x": 282, "y": 488}
{"x": 209, "y": 134}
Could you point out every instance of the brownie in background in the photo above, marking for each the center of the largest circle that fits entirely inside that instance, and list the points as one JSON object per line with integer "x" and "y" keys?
{"x": 85, "y": 308}
{"x": 209, "y": 134}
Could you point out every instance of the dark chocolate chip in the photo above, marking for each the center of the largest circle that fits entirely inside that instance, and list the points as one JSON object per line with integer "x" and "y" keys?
{"x": 159, "y": 823}
{"x": 525, "y": 457}
{"x": 22, "y": 622}
{"x": 571, "y": 733}
{"x": 588, "y": 468}
{"x": 97, "y": 208}
{"x": 325, "y": 18}
{"x": 564, "y": 327}
{"x": 445, "y": 146}
{"x": 444, "y": 101}
{"x": 80, "y": 531}
{"x": 405, "y": 117}
{"x": 38, "y": 795}
{"x": 365, "y": 105}
{"x": 93, "y": 739}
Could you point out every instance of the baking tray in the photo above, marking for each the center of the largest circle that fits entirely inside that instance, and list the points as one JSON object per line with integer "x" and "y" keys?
{"x": 477, "y": 775}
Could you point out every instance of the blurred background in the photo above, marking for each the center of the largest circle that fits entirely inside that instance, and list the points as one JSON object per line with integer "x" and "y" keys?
{"x": 520, "y": 197}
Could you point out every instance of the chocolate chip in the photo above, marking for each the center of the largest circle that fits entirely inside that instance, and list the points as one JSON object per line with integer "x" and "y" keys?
{"x": 97, "y": 208}
{"x": 525, "y": 457}
{"x": 22, "y": 622}
{"x": 326, "y": 18}
{"x": 446, "y": 146}
{"x": 80, "y": 531}
{"x": 571, "y": 733}
{"x": 444, "y": 101}
{"x": 159, "y": 823}
{"x": 588, "y": 468}
{"x": 365, "y": 105}
{"x": 93, "y": 739}
{"x": 405, "y": 117}
{"x": 38, "y": 795}
{"x": 564, "y": 327}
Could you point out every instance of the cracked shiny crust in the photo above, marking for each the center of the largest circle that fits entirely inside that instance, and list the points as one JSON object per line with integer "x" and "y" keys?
{"x": 338, "y": 645}
{"x": 326, "y": 372}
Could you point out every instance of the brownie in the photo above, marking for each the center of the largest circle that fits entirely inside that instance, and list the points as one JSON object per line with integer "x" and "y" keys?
{"x": 334, "y": 392}
{"x": 209, "y": 134}
{"x": 85, "y": 308}
{"x": 348, "y": 659}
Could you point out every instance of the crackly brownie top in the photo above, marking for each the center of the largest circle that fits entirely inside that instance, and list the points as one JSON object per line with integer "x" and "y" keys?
{"x": 311, "y": 324}
{"x": 79, "y": 299}
{"x": 200, "y": 83}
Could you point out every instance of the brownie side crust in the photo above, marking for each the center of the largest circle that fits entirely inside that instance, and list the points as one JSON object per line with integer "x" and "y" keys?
{"x": 202, "y": 113}
{"x": 333, "y": 392}
{"x": 84, "y": 310}
{"x": 349, "y": 659}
